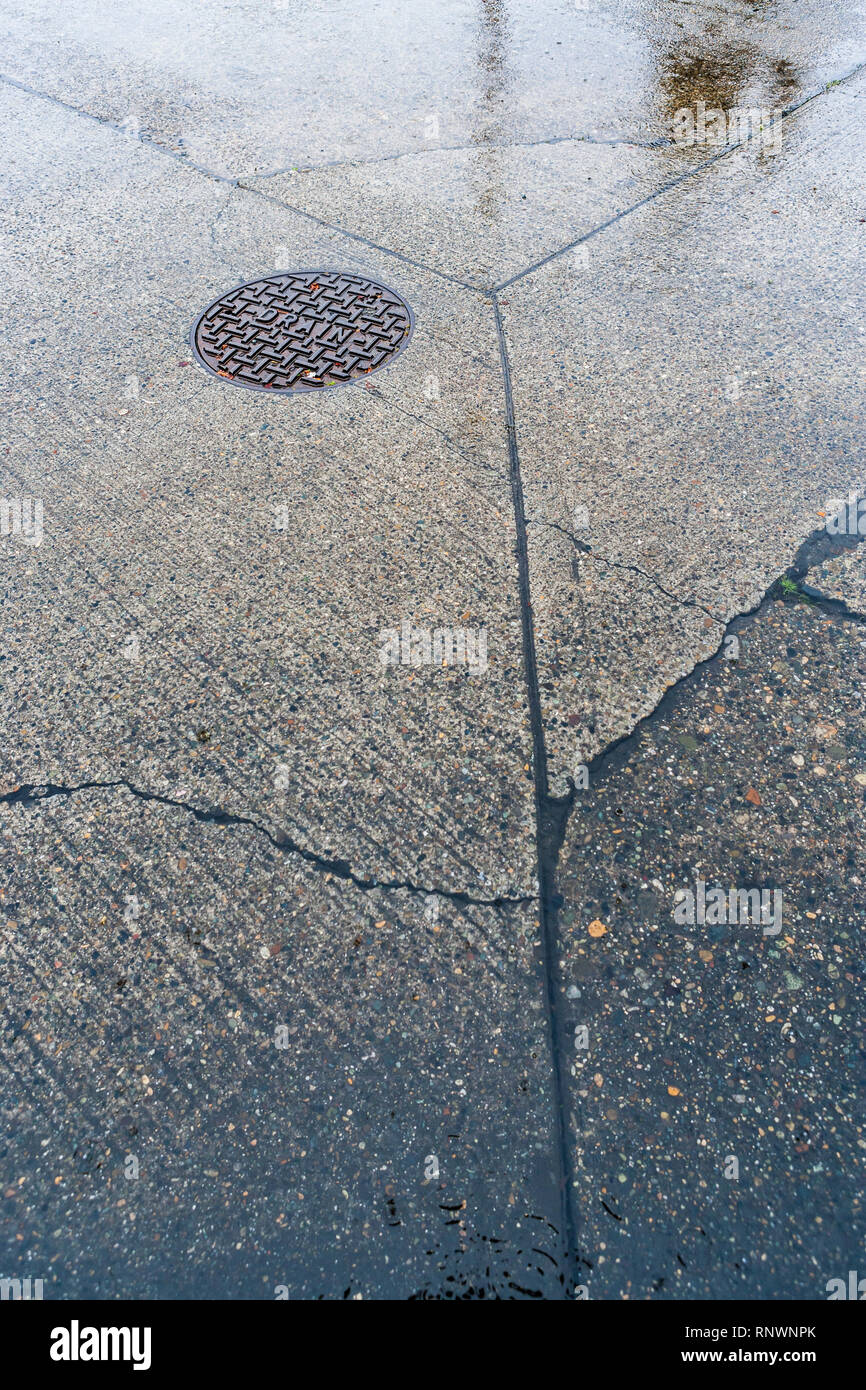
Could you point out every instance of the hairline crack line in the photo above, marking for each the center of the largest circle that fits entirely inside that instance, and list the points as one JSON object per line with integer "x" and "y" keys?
{"x": 590, "y": 554}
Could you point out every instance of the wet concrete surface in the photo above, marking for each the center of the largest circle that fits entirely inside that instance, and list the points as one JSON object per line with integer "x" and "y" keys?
{"x": 716, "y": 1094}
{"x": 247, "y": 89}
{"x": 842, "y": 578}
{"x": 699, "y": 359}
{"x": 261, "y": 1077}
{"x": 294, "y": 941}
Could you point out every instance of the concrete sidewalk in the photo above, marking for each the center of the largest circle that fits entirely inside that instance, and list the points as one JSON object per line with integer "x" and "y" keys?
{"x": 333, "y": 978}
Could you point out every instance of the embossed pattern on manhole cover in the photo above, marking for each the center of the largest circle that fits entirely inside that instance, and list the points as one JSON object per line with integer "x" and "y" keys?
{"x": 303, "y": 330}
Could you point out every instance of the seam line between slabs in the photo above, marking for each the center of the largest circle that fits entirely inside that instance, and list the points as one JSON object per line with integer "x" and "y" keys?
{"x": 681, "y": 178}
{"x": 227, "y": 179}
{"x": 550, "y": 824}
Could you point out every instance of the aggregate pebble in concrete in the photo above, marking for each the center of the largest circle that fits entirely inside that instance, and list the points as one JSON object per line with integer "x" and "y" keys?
{"x": 843, "y": 578}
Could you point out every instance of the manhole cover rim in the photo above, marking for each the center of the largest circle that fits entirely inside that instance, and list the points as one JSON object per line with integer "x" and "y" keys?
{"x": 298, "y": 390}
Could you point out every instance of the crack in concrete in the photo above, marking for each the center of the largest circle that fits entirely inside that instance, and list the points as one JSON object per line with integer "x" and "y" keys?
{"x": 212, "y": 228}
{"x": 660, "y": 142}
{"x": 590, "y": 554}
{"x": 668, "y": 593}
{"x": 835, "y": 606}
{"x": 374, "y": 392}
{"x": 817, "y": 547}
{"x": 33, "y": 793}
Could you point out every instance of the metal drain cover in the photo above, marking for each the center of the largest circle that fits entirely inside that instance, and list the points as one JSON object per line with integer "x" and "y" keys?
{"x": 301, "y": 330}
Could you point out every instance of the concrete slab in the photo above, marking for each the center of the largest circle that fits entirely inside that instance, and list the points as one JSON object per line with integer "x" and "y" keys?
{"x": 251, "y": 552}
{"x": 688, "y": 391}
{"x": 285, "y": 923}
{"x": 266, "y": 1082}
{"x": 844, "y": 577}
{"x": 247, "y": 88}
{"x": 718, "y": 1120}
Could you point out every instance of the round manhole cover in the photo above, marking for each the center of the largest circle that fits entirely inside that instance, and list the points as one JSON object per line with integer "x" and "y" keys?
{"x": 302, "y": 330}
